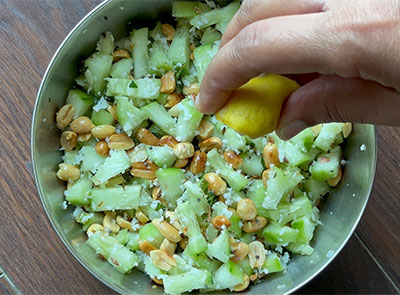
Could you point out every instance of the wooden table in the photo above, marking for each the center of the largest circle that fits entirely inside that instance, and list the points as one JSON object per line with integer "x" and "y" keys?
{"x": 31, "y": 254}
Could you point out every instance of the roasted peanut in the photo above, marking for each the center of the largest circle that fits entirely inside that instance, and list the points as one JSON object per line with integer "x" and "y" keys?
{"x": 141, "y": 217}
{"x": 120, "y": 54}
{"x": 210, "y": 143}
{"x": 145, "y": 136}
{"x": 65, "y": 116}
{"x": 192, "y": 47}
{"x": 215, "y": 183}
{"x": 335, "y": 181}
{"x": 113, "y": 111}
{"x": 146, "y": 170}
{"x": 241, "y": 251}
{"x": 254, "y": 277}
{"x": 146, "y": 247}
{"x": 168, "y": 246}
{"x": 167, "y": 230}
{"x": 84, "y": 137}
{"x": 254, "y": 225}
{"x": 116, "y": 180}
{"x": 198, "y": 163}
{"x": 183, "y": 243}
{"x": 102, "y": 148}
{"x": 168, "y": 31}
{"x": 94, "y": 228}
{"x": 220, "y": 221}
{"x": 256, "y": 254}
{"x": 110, "y": 224}
{"x": 183, "y": 150}
{"x": 265, "y": 177}
{"x": 174, "y": 220}
{"x": 270, "y": 155}
{"x": 158, "y": 281}
{"x": 120, "y": 142}
{"x": 233, "y": 244}
{"x": 191, "y": 90}
{"x": 168, "y": 83}
{"x": 243, "y": 286}
{"x": 316, "y": 129}
{"x": 103, "y": 131}
{"x": 181, "y": 163}
{"x": 82, "y": 125}
{"x": 162, "y": 260}
{"x": 173, "y": 99}
{"x": 168, "y": 140}
{"x": 346, "y": 129}
{"x": 156, "y": 193}
{"x": 68, "y": 140}
{"x": 246, "y": 209}
{"x": 233, "y": 158}
{"x": 206, "y": 129}
{"x": 125, "y": 224}
{"x": 68, "y": 172}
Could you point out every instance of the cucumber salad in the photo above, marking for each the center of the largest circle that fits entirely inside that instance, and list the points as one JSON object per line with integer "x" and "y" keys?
{"x": 160, "y": 187}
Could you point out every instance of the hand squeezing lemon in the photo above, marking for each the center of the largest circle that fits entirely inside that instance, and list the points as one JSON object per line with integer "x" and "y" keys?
{"x": 255, "y": 107}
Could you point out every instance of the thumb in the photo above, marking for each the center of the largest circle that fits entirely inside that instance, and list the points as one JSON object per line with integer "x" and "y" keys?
{"x": 336, "y": 99}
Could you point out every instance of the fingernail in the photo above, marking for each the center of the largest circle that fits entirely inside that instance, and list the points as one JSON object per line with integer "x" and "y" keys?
{"x": 291, "y": 129}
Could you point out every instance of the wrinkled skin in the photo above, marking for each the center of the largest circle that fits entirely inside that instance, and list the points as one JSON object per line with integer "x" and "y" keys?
{"x": 345, "y": 53}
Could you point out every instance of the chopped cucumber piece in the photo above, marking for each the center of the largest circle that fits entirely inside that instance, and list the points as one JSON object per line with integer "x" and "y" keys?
{"x": 252, "y": 165}
{"x": 105, "y": 45}
{"x": 140, "y": 55}
{"x": 98, "y": 68}
{"x": 162, "y": 156}
{"x": 272, "y": 263}
{"x": 196, "y": 198}
{"x": 171, "y": 183}
{"x": 102, "y": 117}
{"x": 77, "y": 194}
{"x": 245, "y": 266}
{"x": 115, "y": 198}
{"x": 215, "y": 16}
{"x": 145, "y": 88}
{"x": 179, "y": 50}
{"x": 280, "y": 183}
{"x": 116, "y": 163}
{"x": 235, "y": 180}
{"x": 228, "y": 276}
{"x": 87, "y": 219}
{"x": 315, "y": 189}
{"x": 303, "y": 249}
{"x": 91, "y": 160}
{"x": 202, "y": 58}
{"x": 327, "y": 135}
{"x": 257, "y": 193}
{"x": 220, "y": 248}
{"x": 129, "y": 116}
{"x": 327, "y": 165}
{"x": 122, "y": 258}
{"x": 72, "y": 157}
{"x": 277, "y": 234}
{"x": 197, "y": 242}
{"x": 150, "y": 233}
{"x": 122, "y": 69}
{"x": 188, "y": 8}
{"x": 210, "y": 36}
{"x": 305, "y": 227}
{"x": 185, "y": 282}
{"x": 158, "y": 114}
{"x": 159, "y": 62}
{"x": 132, "y": 240}
{"x": 81, "y": 102}
{"x": 188, "y": 121}
{"x": 233, "y": 140}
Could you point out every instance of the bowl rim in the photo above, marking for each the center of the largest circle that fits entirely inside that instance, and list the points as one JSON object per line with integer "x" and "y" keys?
{"x": 115, "y": 287}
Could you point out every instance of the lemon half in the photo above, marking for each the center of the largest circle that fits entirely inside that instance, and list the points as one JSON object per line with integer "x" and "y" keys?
{"x": 254, "y": 108}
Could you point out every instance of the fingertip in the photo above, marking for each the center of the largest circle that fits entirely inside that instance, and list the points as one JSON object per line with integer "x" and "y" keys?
{"x": 291, "y": 129}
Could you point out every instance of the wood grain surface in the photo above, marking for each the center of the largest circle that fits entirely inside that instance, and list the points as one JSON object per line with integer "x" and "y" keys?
{"x": 32, "y": 256}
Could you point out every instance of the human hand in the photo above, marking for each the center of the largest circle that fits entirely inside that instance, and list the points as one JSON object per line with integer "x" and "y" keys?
{"x": 351, "y": 49}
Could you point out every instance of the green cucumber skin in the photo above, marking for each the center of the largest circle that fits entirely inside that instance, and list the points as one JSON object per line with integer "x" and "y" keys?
{"x": 115, "y": 198}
